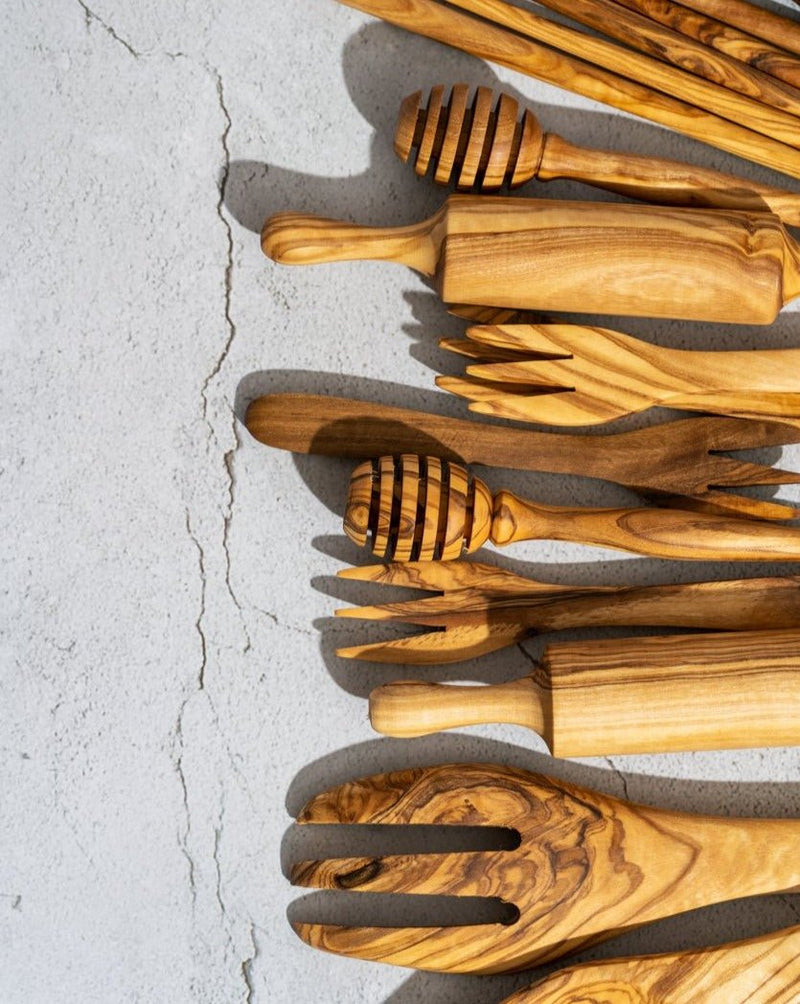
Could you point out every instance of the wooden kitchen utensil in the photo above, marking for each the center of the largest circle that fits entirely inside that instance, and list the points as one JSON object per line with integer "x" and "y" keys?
{"x": 763, "y": 970}
{"x": 677, "y": 462}
{"x": 593, "y": 375}
{"x": 783, "y": 31}
{"x": 587, "y": 867}
{"x": 480, "y": 608}
{"x": 422, "y": 508}
{"x": 599, "y": 258}
{"x": 484, "y": 144}
{"x": 598, "y": 697}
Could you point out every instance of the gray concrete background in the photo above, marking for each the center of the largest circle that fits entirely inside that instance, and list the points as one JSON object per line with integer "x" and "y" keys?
{"x": 169, "y": 693}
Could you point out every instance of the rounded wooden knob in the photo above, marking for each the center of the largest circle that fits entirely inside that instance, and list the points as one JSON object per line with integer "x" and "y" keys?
{"x": 414, "y": 508}
{"x": 480, "y": 146}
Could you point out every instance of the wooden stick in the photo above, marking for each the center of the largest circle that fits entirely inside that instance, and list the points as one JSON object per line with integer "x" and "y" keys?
{"x": 702, "y": 93}
{"x": 770, "y": 59}
{"x": 783, "y": 31}
{"x": 434, "y": 20}
{"x": 670, "y": 46}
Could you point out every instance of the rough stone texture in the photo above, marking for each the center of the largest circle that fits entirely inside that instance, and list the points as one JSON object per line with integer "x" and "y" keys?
{"x": 168, "y": 684}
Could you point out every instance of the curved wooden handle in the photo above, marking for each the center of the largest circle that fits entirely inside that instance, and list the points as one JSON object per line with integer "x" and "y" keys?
{"x": 659, "y": 533}
{"x": 298, "y": 239}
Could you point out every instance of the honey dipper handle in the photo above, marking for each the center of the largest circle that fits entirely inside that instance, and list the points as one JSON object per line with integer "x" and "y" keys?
{"x": 298, "y": 239}
{"x": 659, "y": 533}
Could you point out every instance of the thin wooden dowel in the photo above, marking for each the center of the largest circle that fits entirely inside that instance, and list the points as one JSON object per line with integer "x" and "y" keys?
{"x": 486, "y": 41}
{"x": 695, "y": 90}
{"x": 782, "y": 31}
{"x": 770, "y": 59}
{"x": 653, "y": 39}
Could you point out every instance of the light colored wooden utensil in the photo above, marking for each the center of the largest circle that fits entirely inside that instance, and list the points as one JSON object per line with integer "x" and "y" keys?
{"x": 508, "y": 48}
{"x": 594, "y": 375}
{"x": 663, "y": 694}
{"x": 540, "y": 254}
{"x": 483, "y": 144}
{"x": 480, "y": 608}
{"x": 677, "y": 462}
{"x": 783, "y": 31}
{"x": 588, "y": 866}
{"x": 763, "y": 970}
{"x": 414, "y": 508}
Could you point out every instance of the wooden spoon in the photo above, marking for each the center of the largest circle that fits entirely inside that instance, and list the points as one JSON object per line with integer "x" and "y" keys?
{"x": 422, "y": 508}
{"x": 663, "y": 694}
{"x": 538, "y": 254}
{"x": 587, "y": 867}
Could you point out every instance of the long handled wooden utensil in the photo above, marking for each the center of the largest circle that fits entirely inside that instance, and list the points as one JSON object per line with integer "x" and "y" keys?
{"x": 677, "y": 462}
{"x": 483, "y": 144}
{"x": 601, "y": 697}
{"x": 422, "y": 508}
{"x": 539, "y": 254}
{"x": 587, "y": 866}
{"x": 480, "y": 608}
{"x": 763, "y": 970}
{"x": 758, "y": 21}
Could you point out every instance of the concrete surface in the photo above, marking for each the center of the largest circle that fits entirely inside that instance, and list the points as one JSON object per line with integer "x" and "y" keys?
{"x": 169, "y": 693}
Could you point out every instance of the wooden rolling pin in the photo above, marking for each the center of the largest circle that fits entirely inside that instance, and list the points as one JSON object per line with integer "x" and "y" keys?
{"x": 540, "y": 254}
{"x": 664, "y": 694}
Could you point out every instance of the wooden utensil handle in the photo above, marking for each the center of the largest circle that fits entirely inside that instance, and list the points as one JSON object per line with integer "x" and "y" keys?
{"x": 661, "y": 533}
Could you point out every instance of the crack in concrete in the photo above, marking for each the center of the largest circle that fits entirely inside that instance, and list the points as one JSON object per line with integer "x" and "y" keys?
{"x": 91, "y": 17}
{"x": 247, "y": 966}
{"x": 201, "y": 678}
{"x": 183, "y": 839}
{"x": 619, "y": 774}
{"x": 228, "y": 517}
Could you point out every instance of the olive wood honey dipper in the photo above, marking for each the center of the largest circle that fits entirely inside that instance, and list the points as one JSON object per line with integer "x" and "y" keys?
{"x": 540, "y": 254}
{"x": 483, "y": 144}
{"x": 598, "y": 697}
{"x": 416, "y": 508}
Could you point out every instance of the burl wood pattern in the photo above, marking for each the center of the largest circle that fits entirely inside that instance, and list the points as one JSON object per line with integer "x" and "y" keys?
{"x": 604, "y": 375}
{"x": 677, "y": 693}
{"x": 763, "y": 970}
{"x": 587, "y": 867}
{"x": 481, "y": 608}
{"x": 459, "y": 514}
{"x": 637, "y": 94}
{"x": 782, "y": 31}
{"x": 680, "y": 459}
{"x": 654, "y": 261}
{"x": 443, "y": 130}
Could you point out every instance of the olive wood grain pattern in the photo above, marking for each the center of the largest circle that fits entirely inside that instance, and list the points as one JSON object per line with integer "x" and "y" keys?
{"x": 441, "y": 129}
{"x": 597, "y": 375}
{"x": 670, "y": 694}
{"x": 782, "y": 31}
{"x": 678, "y": 462}
{"x": 763, "y": 970}
{"x": 480, "y": 608}
{"x": 694, "y": 264}
{"x": 488, "y": 41}
{"x": 587, "y": 866}
{"x": 458, "y": 512}
{"x": 747, "y": 48}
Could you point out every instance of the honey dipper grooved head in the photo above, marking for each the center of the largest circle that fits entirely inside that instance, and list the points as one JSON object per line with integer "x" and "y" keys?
{"x": 417, "y": 508}
{"x": 480, "y": 146}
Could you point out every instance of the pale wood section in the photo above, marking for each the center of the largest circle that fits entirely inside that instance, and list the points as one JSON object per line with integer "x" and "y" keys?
{"x": 661, "y": 533}
{"x": 601, "y": 375}
{"x": 763, "y": 970}
{"x": 487, "y": 41}
{"x": 782, "y": 31}
{"x": 674, "y": 458}
{"x": 482, "y": 608}
{"x": 587, "y": 867}
{"x": 653, "y": 261}
{"x": 667, "y": 694}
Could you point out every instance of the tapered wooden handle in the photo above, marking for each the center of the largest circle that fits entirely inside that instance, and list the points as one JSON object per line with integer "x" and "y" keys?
{"x": 659, "y": 533}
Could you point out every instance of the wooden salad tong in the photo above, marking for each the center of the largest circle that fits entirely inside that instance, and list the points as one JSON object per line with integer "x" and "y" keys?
{"x": 574, "y": 375}
{"x": 479, "y": 608}
{"x": 598, "y": 697}
{"x": 598, "y": 258}
{"x": 413, "y": 508}
{"x": 584, "y": 866}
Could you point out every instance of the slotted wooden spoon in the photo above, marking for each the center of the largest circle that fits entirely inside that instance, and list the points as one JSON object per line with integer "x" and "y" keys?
{"x": 588, "y": 866}
{"x": 575, "y": 375}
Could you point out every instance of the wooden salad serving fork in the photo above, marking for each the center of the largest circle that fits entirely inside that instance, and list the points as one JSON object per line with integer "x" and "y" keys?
{"x": 576, "y": 375}
{"x": 585, "y": 867}
{"x": 677, "y": 462}
{"x": 479, "y": 608}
